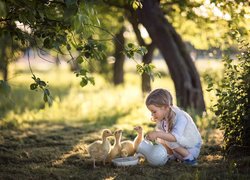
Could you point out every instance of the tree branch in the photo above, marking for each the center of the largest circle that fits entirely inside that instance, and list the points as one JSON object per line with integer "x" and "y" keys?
{"x": 135, "y": 24}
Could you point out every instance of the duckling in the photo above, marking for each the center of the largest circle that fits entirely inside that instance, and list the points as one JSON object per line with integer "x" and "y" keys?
{"x": 138, "y": 139}
{"x": 99, "y": 150}
{"x": 116, "y": 149}
{"x": 127, "y": 148}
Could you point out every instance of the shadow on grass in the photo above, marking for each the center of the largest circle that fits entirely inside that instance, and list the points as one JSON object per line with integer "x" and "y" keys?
{"x": 22, "y": 98}
{"x": 56, "y": 150}
{"x": 50, "y": 149}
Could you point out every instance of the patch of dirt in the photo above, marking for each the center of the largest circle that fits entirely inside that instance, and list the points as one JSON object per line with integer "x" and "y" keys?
{"x": 58, "y": 151}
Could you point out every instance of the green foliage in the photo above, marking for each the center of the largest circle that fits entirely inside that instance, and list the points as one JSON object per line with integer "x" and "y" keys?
{"x": 85, "y": 78}
{"x": 40, "y": 84}
{"x": 233, "y": 94}
{"x": 62, "y": 26}
{"x": 130, "y": 50}
{"x": 148, "y": 69}
{"x": 135, "y": 4}
{"x": 192, "y": 18}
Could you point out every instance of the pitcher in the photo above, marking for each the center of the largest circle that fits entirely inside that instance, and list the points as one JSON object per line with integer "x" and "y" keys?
{"x": 156, "y": 155}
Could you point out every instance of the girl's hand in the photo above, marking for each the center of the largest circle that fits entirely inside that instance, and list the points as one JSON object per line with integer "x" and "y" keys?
{"x": 152, "y": 136}
{"x": 152, "y": 119}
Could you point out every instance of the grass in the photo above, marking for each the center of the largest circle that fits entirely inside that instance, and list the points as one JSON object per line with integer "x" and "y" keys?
{"x": 41, "y": 142}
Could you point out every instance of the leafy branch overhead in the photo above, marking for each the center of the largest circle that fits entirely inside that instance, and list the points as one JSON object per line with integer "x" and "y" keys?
{"x": 131, "y": 50}
{"x": 64, "y": 26}
{"x": 148, "y": 69}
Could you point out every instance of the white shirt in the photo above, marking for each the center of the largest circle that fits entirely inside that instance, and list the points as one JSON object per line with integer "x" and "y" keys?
{"x": 184, "y": 129}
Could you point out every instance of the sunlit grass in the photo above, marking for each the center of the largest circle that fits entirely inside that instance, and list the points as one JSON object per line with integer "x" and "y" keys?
{"x": 42, "y": 141}
{"x": 101, "y": 105}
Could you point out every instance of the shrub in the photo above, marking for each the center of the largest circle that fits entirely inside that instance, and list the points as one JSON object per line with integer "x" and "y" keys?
{"x": 233, "y": 94}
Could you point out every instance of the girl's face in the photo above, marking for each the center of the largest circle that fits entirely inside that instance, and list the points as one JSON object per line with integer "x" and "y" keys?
{"x": 158, "y": 113}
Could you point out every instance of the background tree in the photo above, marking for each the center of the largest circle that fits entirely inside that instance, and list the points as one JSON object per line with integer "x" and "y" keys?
{"x": 71, "y": 26}
{"x": 118, "y": 73}
{"x": 50, "y": 24}
{"x": 115, "y": 44}
{"x": 181, "y": 67}
{"x": 164, "y": 19}
{"x": 147, "y": 58}
{"x": 66, "y": 27}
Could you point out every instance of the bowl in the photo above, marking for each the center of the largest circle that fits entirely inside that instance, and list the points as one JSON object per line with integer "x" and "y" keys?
{"x": 126, "y": 161}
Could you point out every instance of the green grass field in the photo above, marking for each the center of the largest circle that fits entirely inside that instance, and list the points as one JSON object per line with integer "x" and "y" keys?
{"x": 41, "y": 142}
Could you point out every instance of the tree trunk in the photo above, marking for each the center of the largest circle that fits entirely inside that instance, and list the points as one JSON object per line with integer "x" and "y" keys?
{"x": 182, "y": 70}
{"x": 5, "y": 72}
{"x": 4, "y": 69}
{"x": 147, "y": 58}
{"x": 118, "y": 76}
{"x": 4, "y": 66}
{"x": 196, "y": 94}
{"x": 4, "y": 61}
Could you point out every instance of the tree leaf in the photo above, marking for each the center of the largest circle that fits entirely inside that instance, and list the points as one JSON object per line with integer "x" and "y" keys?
{"x": 83, "y": 82}
{"x": 91, "y": 80}
{"x": 42, "y": 83}
{"x": 33, "y": 86}
{"x": 45, "y": 97}
{"x": 79, "y": 59}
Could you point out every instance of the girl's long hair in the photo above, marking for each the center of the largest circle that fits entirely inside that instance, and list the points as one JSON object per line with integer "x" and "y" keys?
{"x": 159, "y": 98}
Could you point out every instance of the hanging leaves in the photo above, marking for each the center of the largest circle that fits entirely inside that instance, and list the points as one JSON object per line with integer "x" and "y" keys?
{"x": 85, "y": 77}
{"x": 148, "y": 69}
{"x": 42, "y": 85}
{"x": 131, "y": 49}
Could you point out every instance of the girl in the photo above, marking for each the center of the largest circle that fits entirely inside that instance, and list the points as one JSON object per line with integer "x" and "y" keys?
{"x": 175, "y": 129}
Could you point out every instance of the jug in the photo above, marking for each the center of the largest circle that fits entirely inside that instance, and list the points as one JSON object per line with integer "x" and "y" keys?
{"x": 156, "y": 155}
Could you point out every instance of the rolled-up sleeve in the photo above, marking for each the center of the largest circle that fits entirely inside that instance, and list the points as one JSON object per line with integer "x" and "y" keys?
{"x": 179, "y": 127}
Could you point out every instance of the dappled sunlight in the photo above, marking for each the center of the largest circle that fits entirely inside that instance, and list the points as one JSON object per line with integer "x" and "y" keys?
{"x": 74, "y": 74}
{"x": 213, "y": 138}
{"x": 56, "y": 136}
{"x": 209, "y": 64}
{"x": 97, "y": 107}
{"x": 73, "y": 103}
{"x": 78, "y": 152}
{"x": 210, "y": 158}
{"x": 82, "y": 104}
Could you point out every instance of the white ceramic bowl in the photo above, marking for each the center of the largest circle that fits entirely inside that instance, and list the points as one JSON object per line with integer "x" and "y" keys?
{"x": 126, "y": 161}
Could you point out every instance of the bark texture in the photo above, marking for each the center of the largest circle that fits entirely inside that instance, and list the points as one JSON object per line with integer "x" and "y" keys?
{"x": 147, "y": 58}
{"x": 182, "y": 69}
{"x": 118, "y": 75}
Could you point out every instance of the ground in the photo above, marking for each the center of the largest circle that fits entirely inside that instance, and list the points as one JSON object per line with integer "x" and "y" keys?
{"x": 46, "y": 150}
